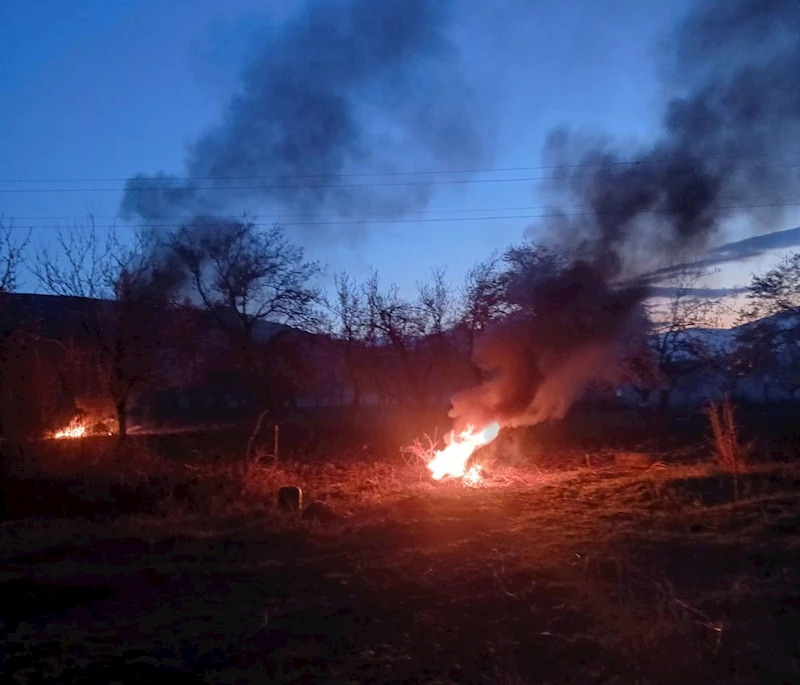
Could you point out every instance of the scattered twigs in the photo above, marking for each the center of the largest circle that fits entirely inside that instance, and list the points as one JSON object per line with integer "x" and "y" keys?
{"x": 706, "y": 622}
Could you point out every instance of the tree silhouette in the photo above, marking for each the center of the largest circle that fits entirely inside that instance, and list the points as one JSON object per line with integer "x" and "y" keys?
{"x": 130, "y": 323}
{"x": 257, "y": 286}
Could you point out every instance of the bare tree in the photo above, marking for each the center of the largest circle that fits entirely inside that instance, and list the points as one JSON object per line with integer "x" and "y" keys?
{"x": 525, "y": 266}
{"x": 775, "y": 292}
{"x": 438, "y": 311}
{"x": 639, "y": 366}
{"x": 19, "y": 358}
{"x": 483, "y": 300}
{"x": 768, "y": 343}
{"x": 352, "y": 328}
{"x": 257, "y": 286}
{"x": 676, "y": 333}
{"x": 769, "y": 355}
{"x": 85, "y": 262}
{"x": 785, "y": 368}
{"x": 419, "y": 331}
{"x": 12, "y": 249}
{"x": 127, "y": 313}
{"x": 396, "y": 326}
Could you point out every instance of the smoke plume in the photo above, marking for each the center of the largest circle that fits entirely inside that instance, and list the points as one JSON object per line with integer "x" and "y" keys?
{"x": 346, "y": 89}
{"x": 729, "y": 144}
{"x": 728, "y": 149}
{"x": 538, "y": 360}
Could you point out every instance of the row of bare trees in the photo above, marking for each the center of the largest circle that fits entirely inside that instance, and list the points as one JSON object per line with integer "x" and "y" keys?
{"x": 763, "y": 350}
{"x": 12, "y": 250}
{"x": 678, "y": 345}
{"x": 770, "y": 345}
{"x": 393, "y": 346}
{"x": 155, "y": 312}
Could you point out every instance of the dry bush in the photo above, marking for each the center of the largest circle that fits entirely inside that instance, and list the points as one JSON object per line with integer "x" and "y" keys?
{"x": 419, "y": 453}
{"x": 729, "y": 452}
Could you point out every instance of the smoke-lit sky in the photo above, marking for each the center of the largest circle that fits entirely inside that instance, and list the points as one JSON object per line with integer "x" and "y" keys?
{"x": 110, "y": 90}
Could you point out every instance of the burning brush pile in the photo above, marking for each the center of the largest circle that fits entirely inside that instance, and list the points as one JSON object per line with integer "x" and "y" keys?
{"x": 74, "y": 429}
{"x": 460, "y": 460}
{"x": 83, "y": 426}
{"x": 453, "y": 461}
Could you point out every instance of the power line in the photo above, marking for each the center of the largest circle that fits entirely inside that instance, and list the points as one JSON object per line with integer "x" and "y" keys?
{"x": 376, "y": 174}
{"x": 553, "y": 214}
{"x": 311, "y": 215}
{"x": 234, "y": 217}
{"x": 464, "y": 181}
{"x": 142, "y": 189}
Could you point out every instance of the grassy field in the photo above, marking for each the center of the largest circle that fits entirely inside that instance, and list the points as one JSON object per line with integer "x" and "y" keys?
{"x": 574, "y": 562}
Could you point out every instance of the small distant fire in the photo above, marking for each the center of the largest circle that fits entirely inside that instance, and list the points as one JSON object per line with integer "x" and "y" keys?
{"x": 75, "y": 429}
{"x": 451, "y": 461}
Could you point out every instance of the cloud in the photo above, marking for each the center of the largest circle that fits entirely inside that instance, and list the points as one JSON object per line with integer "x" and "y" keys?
{"x": 669, "y": 292}
{"x": 756, "y": 245}
{"x": 731, "y": 253}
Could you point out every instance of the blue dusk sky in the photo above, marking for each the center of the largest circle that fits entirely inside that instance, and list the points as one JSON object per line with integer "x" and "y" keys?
{"x": 104, "y": 90}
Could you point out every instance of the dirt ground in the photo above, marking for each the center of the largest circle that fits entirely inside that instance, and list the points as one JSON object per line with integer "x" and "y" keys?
{"x": 592, "y": 574}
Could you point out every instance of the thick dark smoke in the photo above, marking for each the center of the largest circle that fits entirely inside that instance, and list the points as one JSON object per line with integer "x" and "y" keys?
{"x": 728, "y": 150}
{"x": 729, "y": 144}
{"x": 538, "y": 360}
{"x": 346, "y": 87}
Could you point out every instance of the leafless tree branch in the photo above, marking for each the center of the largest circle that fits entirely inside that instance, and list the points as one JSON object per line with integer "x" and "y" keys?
{"x": 12, "y": 248}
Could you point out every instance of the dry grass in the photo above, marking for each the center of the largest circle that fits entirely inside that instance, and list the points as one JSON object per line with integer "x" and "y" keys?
{"x": 637, "y": 575}
{"x": 729, "y": 452}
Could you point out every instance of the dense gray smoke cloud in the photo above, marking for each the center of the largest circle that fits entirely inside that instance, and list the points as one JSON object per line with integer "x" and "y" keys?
{"x": 728, "y": 148}
{"x": 729, "y": 145}
{"x": 345, "y": 87}
{"x": 538, "y": 360}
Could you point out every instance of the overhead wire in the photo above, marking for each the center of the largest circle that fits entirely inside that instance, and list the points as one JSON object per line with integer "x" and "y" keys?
{"x": 364, "y": 218}
{"x": 216, "y": 188}
{"x": 554, "y": 212}
{"x": 453, "y": 210}
{"x": 375, "y": 174}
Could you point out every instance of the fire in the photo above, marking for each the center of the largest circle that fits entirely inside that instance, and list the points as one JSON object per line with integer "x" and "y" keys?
{"x": 473, "y": 476}
{"x": 452, "y": 460}
{"x": 74, "y": 430}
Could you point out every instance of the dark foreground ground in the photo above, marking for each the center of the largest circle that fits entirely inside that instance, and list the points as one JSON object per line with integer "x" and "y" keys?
{"x": 605, "y": 570}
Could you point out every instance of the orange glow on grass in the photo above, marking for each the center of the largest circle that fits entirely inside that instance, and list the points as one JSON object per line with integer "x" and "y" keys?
{"x": 451, "y": 461}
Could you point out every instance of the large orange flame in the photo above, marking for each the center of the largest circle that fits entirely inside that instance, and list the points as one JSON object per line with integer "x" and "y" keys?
{"x": 452, "y": 460}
